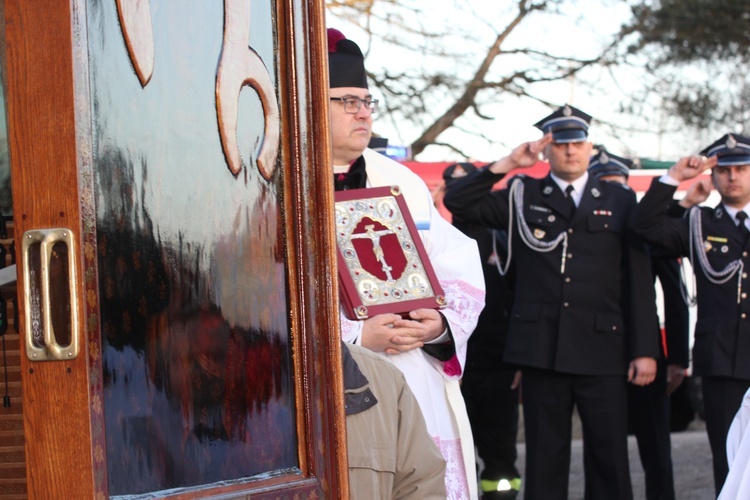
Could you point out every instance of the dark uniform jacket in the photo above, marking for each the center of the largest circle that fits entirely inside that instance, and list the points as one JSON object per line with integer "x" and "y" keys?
{"x": 722, "y": 332}
{"x": 598, "y": 314}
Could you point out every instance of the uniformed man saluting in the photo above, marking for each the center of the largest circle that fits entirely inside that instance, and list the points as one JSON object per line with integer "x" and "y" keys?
{"x": 582, "y": 321}
{"x": 715, "y": 240}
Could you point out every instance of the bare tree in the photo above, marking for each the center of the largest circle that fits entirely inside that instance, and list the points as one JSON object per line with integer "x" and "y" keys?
{"x": 446, "y": 68}
{"x": 697, "y": 61}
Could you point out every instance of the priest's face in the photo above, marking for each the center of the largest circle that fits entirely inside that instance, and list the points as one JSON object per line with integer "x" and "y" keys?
{"x": 350, "y": 132}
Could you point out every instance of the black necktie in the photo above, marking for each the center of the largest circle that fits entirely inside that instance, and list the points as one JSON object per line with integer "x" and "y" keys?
{"x": 571, "y": 201}
{"x": 741, "y": 216}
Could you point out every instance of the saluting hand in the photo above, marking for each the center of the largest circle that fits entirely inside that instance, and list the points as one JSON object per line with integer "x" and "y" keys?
{"x": 524, "y": 156}
{"x": 690, "y": 167}
{"x": 642, "y": 371}
{"x": 697, "y": 193}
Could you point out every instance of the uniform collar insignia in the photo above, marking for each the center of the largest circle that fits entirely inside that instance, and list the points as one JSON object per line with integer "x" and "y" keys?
{"x": 719, "y": 212}
{"x": 547, "y": 190}
{"x": 595, "y": 192}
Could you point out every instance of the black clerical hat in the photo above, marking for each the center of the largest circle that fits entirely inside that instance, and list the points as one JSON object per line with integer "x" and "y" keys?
{"x": 346, "y": 64}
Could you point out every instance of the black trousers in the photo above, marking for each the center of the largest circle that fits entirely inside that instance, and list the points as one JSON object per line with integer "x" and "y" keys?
{"x": 648, "y": 420}
{"x": 548, "y": 401}
{"x": 493, "y": 413}
{"x": 722, "y": 397}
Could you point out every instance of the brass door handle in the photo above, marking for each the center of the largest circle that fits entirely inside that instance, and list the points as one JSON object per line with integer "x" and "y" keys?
{"x": 50, "y": 295}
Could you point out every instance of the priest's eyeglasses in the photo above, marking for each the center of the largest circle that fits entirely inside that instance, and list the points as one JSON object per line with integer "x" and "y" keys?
{"x": 353, "y": 104}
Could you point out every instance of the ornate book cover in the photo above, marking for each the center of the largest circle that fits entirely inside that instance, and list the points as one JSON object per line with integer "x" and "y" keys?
{"x": 382, "y": 264}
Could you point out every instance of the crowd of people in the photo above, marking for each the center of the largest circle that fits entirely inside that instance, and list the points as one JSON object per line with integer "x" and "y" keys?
{"x": 550, "y": 290}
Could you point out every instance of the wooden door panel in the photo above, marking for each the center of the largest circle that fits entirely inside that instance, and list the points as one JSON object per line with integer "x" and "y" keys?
{"x": 183, "y": 142}
{"x": 196, "y": 352}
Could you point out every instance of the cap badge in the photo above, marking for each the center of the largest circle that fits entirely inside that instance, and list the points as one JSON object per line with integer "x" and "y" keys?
{"x": 547, "y": 190}
{"x": 595, "y": 193}
{"x": 539, "y": 234}
{"x": 603, "y": 158}
{"x": 731, "y": 142}
{"x": 567, "y": 111}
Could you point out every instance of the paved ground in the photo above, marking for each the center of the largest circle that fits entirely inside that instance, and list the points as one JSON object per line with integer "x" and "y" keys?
{"x": 692, "y": 466}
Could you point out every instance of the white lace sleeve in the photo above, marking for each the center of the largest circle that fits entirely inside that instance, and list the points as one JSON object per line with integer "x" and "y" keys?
{"x": 351, "y": 331}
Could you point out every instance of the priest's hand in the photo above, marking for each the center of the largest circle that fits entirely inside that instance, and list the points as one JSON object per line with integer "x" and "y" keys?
{"x": 378, "y": 333}
{"x": 642, "y": 371}
{"x": 422, "y": 326}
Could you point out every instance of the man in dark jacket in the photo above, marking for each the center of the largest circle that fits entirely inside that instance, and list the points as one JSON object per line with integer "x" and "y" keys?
{"x": 582, "y": 318}
{"x": 488, "y": 385}
{"x": 716, "y": 241}
{"x": 649, "y": 405}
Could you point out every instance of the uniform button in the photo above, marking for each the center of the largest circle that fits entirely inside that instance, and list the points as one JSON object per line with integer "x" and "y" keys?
{"x": 567, "y": 279}
{"x": 744, "y": 295}
{"x": 614, "y": 328}
{"x": 606, "y": 225}
{"x": 570, "y": 231}
{"x": 744, "y": 276}
{"x": 566, "y": 304}
{"x": 570, "y": 255}
{"x": 744, "y": 254}
{"x": 743, "y": 315}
